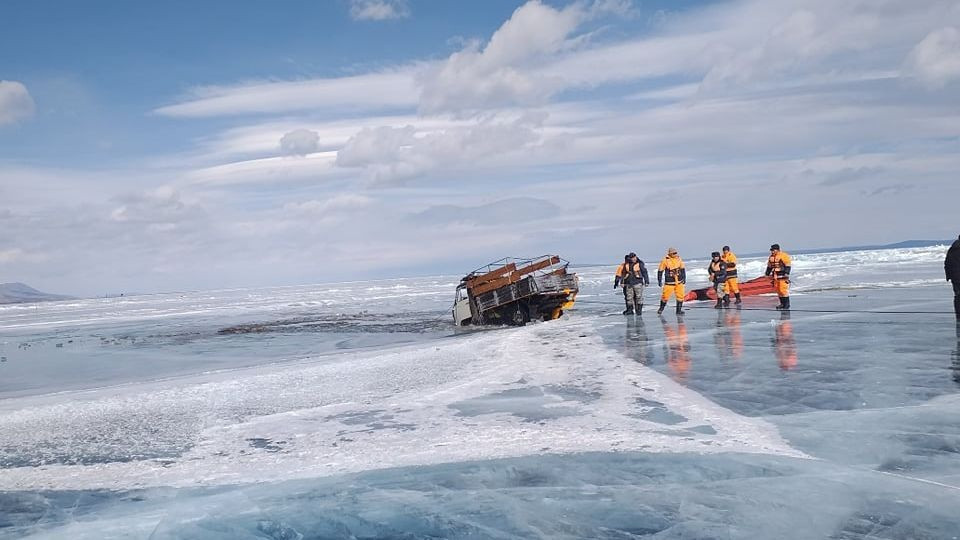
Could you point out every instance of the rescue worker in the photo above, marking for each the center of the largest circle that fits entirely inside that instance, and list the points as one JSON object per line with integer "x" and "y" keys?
{"x": 951, "y": 266}
{"x": 732, "y": 285}
{"x": 632, "y": 276}
{"x": 778, "y": 268}
{"x": 671, "y": 268}
{"x": 717, "y": 271}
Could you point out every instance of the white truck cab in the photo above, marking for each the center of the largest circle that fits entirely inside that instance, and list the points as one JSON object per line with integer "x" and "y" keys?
{"x": 461, "y": 307}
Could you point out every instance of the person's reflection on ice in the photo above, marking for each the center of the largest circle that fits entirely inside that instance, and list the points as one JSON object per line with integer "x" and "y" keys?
{"x": 728, "y": 339}
{"x": 784, "y": 345}
{"x": 676, "y": 349}
{"x": 635, "y": 341}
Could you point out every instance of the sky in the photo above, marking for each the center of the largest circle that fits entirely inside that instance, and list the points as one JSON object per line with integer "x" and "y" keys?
{"x": 161, "y": 146}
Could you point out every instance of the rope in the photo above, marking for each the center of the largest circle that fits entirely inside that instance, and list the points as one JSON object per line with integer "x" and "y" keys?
{"x": 874, "y": 312}
{"x": 835, "y": 311}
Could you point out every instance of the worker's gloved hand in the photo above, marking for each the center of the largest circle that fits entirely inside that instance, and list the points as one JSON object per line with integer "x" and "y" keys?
{"x": 659, "y": 283}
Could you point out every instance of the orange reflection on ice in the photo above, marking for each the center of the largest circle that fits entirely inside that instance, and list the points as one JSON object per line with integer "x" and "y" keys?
{"x": 784, "y": 345}
{"x": 676, "y": 348}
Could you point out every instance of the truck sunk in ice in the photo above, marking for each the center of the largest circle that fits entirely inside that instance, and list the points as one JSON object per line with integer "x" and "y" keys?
{"x": 515, "y": 291}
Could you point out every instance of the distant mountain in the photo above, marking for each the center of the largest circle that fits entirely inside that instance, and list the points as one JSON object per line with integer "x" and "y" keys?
{"x": 20, "y": 293}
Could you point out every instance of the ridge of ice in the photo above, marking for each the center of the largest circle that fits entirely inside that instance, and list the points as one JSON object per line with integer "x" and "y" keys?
{"x": 364, "y": 412}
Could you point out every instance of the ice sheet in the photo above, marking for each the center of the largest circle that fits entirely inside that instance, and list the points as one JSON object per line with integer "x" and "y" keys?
{"x": 355, "y": 410}
{"x": 545, "y": 388}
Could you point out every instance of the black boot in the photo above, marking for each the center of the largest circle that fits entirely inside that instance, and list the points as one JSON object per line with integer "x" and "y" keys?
{"x": 638, "y": 306}
{"x": 679, "y": 308}
{"x": 719, "y": 303}
{"x": 726, "y": 300}
{"x": 739, "y": 301}
{"x": 786, "y": 302}
{"x": 662, "y": 305}
{"x": 956, "y": 306}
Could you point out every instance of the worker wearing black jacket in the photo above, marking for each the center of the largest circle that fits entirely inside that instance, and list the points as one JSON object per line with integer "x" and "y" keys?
{"x": 951, "y": 267}
{"x": 632, "y": 276}
{"x": 717, "y": 271}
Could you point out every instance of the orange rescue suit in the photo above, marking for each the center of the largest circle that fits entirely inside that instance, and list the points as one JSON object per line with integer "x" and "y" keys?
{"x": 731, "y": 285}
{"x": 673, "y": 274}
{"x": 778, "y": 267}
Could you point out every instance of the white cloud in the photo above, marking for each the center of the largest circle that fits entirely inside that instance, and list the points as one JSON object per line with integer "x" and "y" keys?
{"x": 15, "y": 102}
{"x": 343, "y": 202}
{"x": 512, "y": 210}
{"x": 11, "y": 255}
{"x": 299, "y": 142}
{"x": 936, "y": 59}
{"x": 361, "y": 92}
{"x": 275, "y": 171}
{"x": 378, "y": 10}
{"x": 163, "y": 206}
{"x": 501, "y": 72}
{"x": 396, "y": 153}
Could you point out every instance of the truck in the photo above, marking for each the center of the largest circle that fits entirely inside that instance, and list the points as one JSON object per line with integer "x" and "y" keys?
{"x": 515, "y": 291}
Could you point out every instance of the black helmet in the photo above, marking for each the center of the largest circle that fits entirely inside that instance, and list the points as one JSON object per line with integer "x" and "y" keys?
{"x": 726, "y": 248}
{"x": 775, "y": 247}
{"x": 715, "y": 254}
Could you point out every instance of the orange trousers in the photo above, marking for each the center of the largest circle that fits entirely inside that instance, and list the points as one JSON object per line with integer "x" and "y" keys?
{"x": 731, "y": 286}
{"x": 783, "y": 287}
{"x": 675, "y": 290}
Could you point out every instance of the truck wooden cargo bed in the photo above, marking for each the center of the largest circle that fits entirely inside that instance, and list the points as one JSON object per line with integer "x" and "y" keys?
{"x": 514, "y": 291}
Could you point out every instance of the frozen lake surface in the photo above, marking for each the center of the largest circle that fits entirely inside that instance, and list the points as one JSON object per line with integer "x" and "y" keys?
{"x": 356, "y": 410}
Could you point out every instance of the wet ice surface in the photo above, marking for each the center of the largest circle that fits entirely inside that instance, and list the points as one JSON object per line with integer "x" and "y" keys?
{"x": 725, "y": 424}
{"x": 91, "y": 343}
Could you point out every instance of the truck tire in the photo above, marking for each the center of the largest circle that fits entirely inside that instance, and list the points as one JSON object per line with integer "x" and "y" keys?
{"x": 519, "y": 315}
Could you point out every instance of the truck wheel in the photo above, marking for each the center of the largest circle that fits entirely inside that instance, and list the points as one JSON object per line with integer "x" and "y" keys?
{"x": 520, "y": 316}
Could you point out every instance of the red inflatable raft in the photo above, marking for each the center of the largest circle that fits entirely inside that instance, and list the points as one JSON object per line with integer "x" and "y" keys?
{"x": 760, "y": 285}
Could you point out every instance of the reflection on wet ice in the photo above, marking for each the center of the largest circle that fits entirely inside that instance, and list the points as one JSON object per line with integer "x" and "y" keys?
{"x": 728, "y": 338}
{"x": 635, "y": 341}
{"x": 676, "y": 349}
{"x": 784, "y": 345}
{"x": 955, "y": 357}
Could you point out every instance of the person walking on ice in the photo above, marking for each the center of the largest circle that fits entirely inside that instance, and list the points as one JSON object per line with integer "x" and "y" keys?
{"x": 951, "y": 266}
{"x": 671, "y": 277}
{"x": 632, "y": 276}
